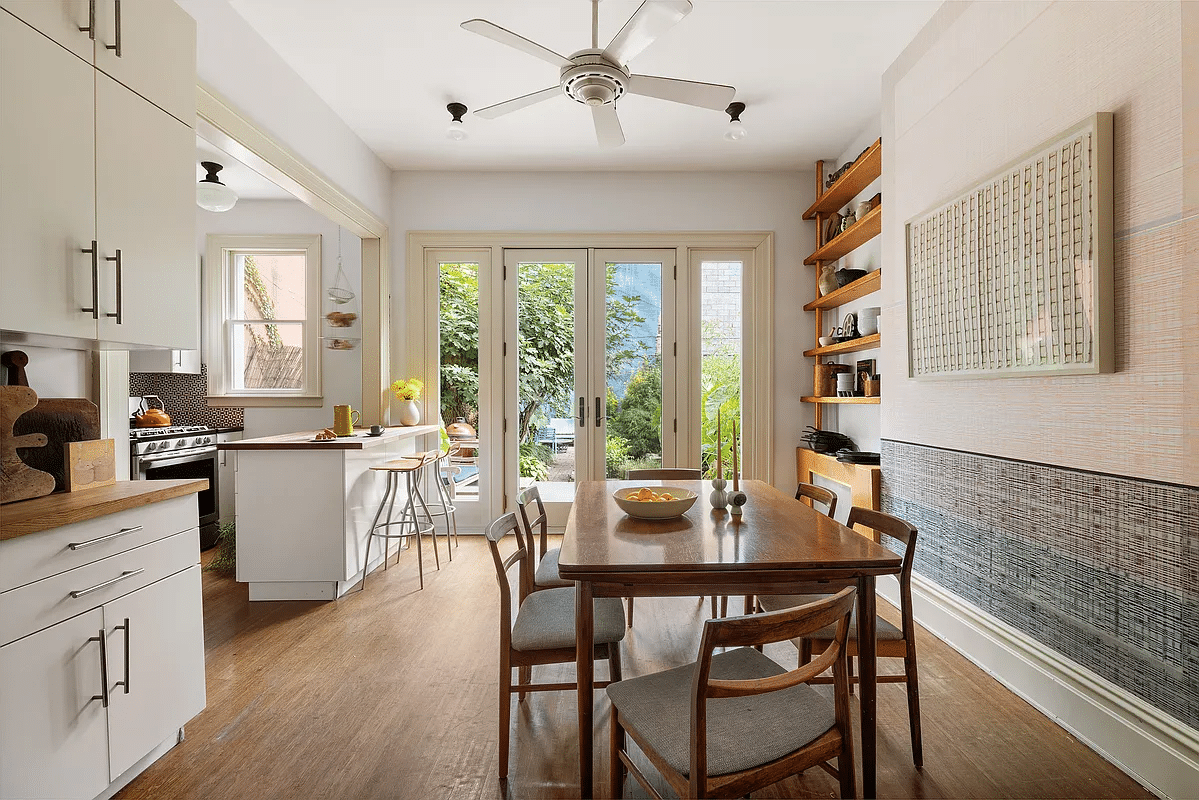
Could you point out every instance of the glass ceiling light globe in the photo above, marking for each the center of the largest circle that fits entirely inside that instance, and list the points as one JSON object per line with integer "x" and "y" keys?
{"x": 735, "y": 132}
{"x": 456, "y": 131}
{"x": 211, "y": 194}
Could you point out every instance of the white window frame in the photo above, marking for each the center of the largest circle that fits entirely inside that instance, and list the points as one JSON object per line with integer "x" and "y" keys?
{"x": 218, "y": 307}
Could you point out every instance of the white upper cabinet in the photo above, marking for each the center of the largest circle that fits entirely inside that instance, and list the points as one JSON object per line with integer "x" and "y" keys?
{"x": 87, "y": 157}
{"x": 68, "y": 22}
{"x": 150, "y": 46}
{"x": 47, "y": 186}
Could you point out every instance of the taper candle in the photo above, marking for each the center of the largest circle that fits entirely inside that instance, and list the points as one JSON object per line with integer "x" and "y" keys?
{"x": 719, "y": 458}
{"x": 736, "y": 483}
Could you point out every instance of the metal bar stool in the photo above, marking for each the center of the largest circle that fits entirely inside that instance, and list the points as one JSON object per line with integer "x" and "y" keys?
{"x": 408, "y": 524}
{"x": 436, "y": 458}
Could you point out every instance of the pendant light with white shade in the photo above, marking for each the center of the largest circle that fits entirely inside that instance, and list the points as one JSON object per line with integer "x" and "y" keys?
{"x": 211, "y": 194}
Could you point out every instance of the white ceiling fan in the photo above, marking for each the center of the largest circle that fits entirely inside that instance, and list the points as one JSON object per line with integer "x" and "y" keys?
{"x": 598, "y": 78}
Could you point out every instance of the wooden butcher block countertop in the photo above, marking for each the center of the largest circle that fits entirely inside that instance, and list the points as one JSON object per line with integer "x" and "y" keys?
{"x": 63, "y": 508}
{"x": 303, "y": 440}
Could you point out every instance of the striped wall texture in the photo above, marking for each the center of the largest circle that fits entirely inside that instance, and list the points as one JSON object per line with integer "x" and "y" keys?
{"x": 1103, "y": 569}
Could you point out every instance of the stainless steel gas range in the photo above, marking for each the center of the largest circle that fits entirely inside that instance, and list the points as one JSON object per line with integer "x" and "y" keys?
{"x": 180, "y": 451}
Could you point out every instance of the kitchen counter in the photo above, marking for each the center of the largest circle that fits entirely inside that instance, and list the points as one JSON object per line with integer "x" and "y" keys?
{"x": 63, "y": 508}
{"x": 303, "y": 440}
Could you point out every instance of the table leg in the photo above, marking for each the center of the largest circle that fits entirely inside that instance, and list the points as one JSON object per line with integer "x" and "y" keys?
{"x": 867, "y": 673}
{"x": 585, "y": 669}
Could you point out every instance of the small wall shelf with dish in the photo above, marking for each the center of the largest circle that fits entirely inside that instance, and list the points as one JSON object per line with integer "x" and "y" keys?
{"x": 852, "y": 346}
{"x": 869, "y": 284}
{"x": 856, "y": 400}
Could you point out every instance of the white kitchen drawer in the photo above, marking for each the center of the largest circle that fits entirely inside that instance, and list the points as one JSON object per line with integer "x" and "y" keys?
{"x": 39, "y": 605}
{"x": 30, "y": 558}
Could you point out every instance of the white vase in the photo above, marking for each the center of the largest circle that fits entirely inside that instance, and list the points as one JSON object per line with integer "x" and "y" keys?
{"x": 409, "y": 412}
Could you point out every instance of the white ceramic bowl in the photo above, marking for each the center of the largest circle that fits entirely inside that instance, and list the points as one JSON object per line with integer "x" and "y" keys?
{"x": 825, "y": 341}
{"x": 649, "y": 509}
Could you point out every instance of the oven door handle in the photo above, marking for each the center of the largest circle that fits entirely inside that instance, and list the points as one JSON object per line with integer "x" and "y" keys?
{"x": 145, "y": 463}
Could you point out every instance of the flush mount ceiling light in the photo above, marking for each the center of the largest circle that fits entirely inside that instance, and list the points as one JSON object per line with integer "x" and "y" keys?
{"x": 211, "y": 194}
{"x": 455, "y": 131}
{"x": 735, "y": 131}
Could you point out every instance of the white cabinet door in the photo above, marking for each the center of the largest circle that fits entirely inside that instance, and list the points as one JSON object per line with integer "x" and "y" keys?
{"x": 53, "y": 741}
{"x": 61, "y": 20}
{"x": 161, "y": 685}
{"x": 47, "y": 185}
{"x": 145, "y": 209}
{"x": 157, "y": 56}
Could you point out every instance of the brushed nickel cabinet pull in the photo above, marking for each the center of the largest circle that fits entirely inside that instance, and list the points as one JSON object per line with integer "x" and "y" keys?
{"x": 125, "y": 682}
{"x": 120, "y": 292}
{"x": 117, "y": 46}
{"x": 95, "y": 309}
{"x": 126, "y": 574}
{"x": 103, "y": 696}
{"x": 90, "y": 30}
{"x": 99, "y": 539}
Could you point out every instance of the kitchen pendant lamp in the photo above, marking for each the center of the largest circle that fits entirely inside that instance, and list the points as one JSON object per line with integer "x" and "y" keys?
{"x": 211, "y": 194}
{"x": 736, "y": 130}
{"x": 455, "y": 132}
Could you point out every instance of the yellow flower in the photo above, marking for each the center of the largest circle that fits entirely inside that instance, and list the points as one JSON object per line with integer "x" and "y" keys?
{"x": 407, "y": 389}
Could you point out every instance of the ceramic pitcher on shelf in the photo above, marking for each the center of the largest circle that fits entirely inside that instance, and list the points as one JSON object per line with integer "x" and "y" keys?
{"x": 344, "y": 418}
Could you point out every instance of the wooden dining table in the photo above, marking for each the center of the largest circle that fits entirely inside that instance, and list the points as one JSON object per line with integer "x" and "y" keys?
{"x": 777, "y": 546}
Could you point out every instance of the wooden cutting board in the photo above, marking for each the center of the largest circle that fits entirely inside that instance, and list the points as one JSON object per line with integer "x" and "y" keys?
{"x": 19, "y": 481}
{"x": 62, "y": 420}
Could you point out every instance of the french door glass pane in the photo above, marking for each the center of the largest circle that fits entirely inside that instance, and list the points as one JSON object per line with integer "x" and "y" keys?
{"x": 633, "y": 367}
{"x": 268, "y": 355}
{"x": 720, "y": 360}
{"x": 458, "y": 292}
{"x": 546, "y": 372}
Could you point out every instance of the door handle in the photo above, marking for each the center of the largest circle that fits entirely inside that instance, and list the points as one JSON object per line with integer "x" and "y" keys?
{"x": 90, "y": 30}
{"x": 95, "y": 309}
{"x": 125, "y": 682}
{"x": 116, "y": 47}
{"x": 120, "y": 292}
{"x": 599, "y": 412}
{"x": 582, "y": 411}
{"x": 103, "y": 696}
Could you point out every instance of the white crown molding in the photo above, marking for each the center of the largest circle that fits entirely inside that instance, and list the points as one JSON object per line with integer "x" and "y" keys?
{"x": 1156, "y": 749}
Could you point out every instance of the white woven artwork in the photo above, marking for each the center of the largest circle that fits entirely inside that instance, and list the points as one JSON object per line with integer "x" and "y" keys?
{"x": 1014, "y": 276}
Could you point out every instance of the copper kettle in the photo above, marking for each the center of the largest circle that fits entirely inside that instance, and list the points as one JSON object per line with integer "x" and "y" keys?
{"x": 149, "y": 417}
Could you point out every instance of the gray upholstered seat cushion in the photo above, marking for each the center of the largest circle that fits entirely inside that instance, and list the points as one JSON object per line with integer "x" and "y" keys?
{"x": 743, "y": 732}
{"x": 547, "y": 570}
{"x": 546, "y": 620}
{"x": 883, "y": 630}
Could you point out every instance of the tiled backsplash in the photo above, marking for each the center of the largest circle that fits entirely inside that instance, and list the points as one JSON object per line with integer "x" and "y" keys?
{"x": 1102, "y": 568}
{"x": 184, "y": 398}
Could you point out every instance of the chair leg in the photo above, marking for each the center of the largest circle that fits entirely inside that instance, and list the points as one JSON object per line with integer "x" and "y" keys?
{"x": 846, "y": 773}
{"x": 805, "y": 651}
{"x": 614, "y": 673}
{"x": 524, "y": 676}
{"x": 913, "y": 681}
{"x": 616, "y": 745}
{"x": 714, "y": 607}
{"x": 630, "y": 611}
{"x": 849, "y": 669}
{"x": 393, "y": 486}
{"x": 505, "y": 711}
{"x": 366, "y": 561}
{"x": 724, "y": 606}
{"x": 414, "y": 477}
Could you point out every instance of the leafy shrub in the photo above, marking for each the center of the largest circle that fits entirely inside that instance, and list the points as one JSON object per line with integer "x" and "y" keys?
{"x": 639, "y": 416}
{"x": 534, "y": 461}
{"x": 616, "y": 456}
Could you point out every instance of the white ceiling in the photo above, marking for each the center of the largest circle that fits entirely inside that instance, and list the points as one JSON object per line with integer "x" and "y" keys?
{"x": 809, "y": 73}
{"x": 248, "y": 184}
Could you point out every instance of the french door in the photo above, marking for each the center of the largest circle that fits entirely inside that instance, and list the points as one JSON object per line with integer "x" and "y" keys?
{"x": 590, "y": 367}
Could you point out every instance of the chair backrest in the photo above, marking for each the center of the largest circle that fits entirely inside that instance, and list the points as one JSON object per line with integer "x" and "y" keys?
{"x": 903, "y": 532}
{"x": 532, "y": 513}
{"x": 496, "y": 532}
{"x": 817, "y": 494}
{"x": 664, "y": 474}
{"x": 760, "y": 629}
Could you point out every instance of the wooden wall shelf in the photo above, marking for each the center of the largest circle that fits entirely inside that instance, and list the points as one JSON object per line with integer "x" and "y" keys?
{"x": 863, "y": 286}
{"x": 851, "y": 238}
{"x": 852, "y": 346}
{"x": 864, "y": 171}
{"x": 856, "y": 400}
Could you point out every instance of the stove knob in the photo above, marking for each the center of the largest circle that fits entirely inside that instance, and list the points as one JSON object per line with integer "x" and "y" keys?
{"x": 181, "y": 443}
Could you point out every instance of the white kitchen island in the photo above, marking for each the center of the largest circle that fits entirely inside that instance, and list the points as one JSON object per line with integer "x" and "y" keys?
{"x": 304, "y": 508}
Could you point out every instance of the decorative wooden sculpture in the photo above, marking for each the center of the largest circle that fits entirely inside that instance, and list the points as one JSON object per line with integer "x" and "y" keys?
{"x": 19, "y": 481}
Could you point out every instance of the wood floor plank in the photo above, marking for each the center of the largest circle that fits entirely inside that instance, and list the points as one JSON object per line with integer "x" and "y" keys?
{"x": 392, "y": 692}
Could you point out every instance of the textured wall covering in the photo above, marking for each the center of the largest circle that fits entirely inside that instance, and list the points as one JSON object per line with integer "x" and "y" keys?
{"x": 1102, "y": 569}
{"x": 183, "y": 395}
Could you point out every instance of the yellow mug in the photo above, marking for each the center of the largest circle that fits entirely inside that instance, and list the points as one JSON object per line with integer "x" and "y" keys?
{"x": 344, "y": 418}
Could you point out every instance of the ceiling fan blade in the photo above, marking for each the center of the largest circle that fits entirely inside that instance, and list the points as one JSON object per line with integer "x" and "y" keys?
{"x": 607, "y": 125}
{"x": 693, "y": 93}
{"x": 517, "y": 103}
{"x": 652, "y": 19}
{"x": 505, "y": 36}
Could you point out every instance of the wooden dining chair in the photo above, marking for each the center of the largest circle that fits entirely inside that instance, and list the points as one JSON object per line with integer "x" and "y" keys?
{"x": 542, "y": 558}
{"x": 817, "y": 494}
{"x": 664, "y": 474}
{"x": 543, "y": 629}
{"x": 892, "y": 642}
{"x": 733, "y": 722}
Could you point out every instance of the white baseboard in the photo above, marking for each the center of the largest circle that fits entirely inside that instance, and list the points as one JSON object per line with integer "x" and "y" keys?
{"x": 1151, "y": 746}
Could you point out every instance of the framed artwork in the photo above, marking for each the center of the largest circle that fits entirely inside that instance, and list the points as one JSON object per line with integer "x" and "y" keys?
{"x": 1014, "y": 275}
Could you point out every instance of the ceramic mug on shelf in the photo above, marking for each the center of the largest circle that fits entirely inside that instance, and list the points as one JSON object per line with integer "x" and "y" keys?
{"x": 344, "y": 418}
{"x": 868, "y": 320}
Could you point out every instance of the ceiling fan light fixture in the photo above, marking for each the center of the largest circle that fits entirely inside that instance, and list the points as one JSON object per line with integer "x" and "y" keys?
{"x": 456, "y": 131}
{"x": 211, "y": 194}
{"x": 736, "y": 131}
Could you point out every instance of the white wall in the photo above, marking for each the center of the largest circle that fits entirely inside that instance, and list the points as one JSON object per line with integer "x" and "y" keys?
{"x": 341, "y": 369}
{"x": 54, "y": 372}
{"x": 238, "y": 64}
{"x": 639, "y": 201}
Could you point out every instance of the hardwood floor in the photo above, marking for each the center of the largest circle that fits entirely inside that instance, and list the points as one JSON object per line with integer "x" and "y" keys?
{"x": 392, "y": 693}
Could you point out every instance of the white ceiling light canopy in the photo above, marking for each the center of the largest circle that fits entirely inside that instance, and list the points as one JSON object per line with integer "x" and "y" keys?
{"x": 599, "y": 78}
{"x": 455, "y": 132}
{"x": 211, "y": 194}
{"x": 735, "y": 132}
